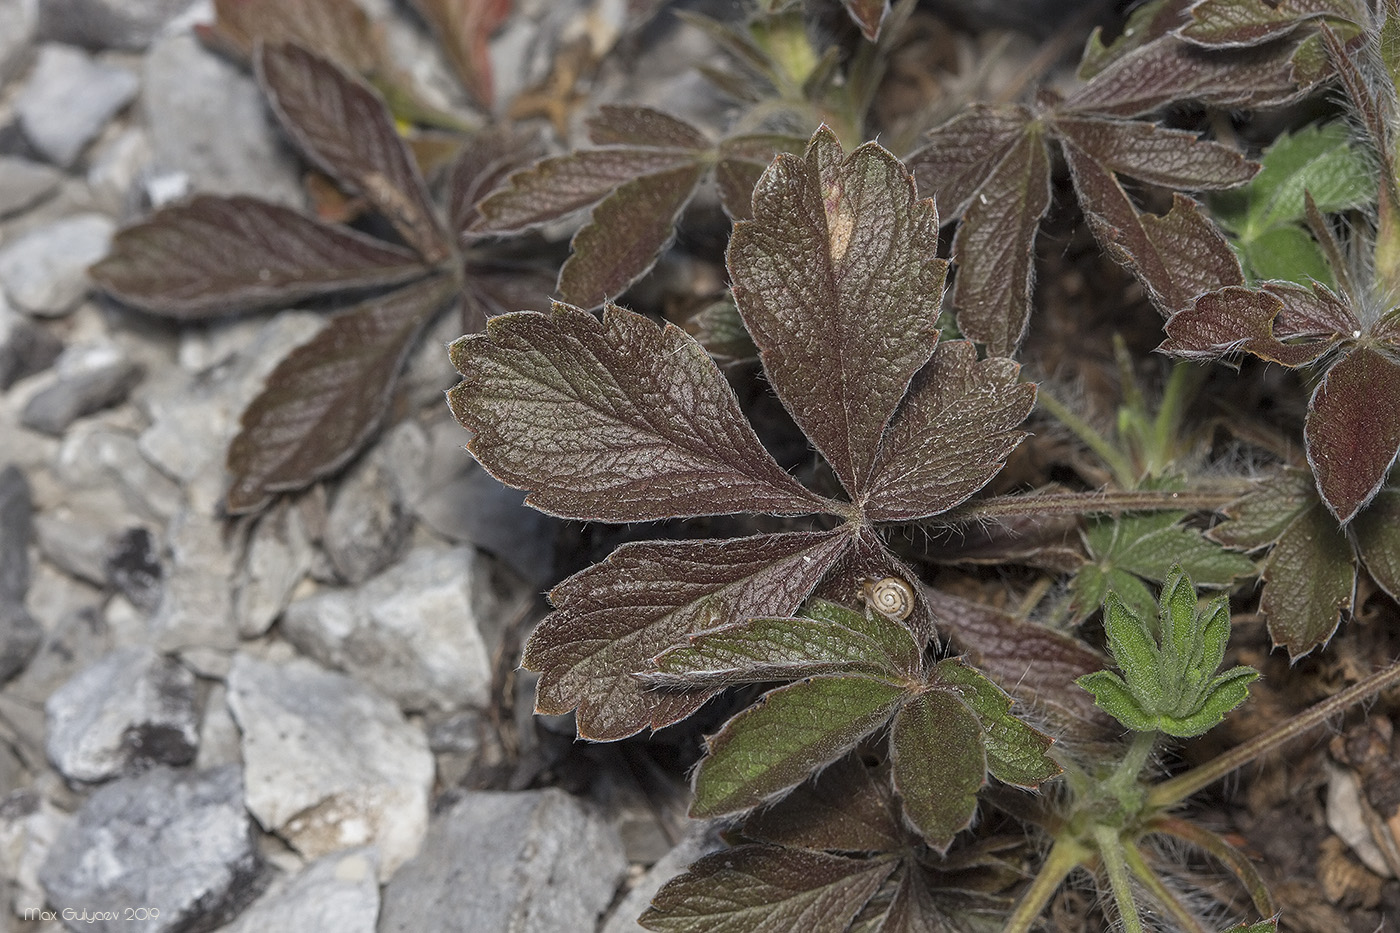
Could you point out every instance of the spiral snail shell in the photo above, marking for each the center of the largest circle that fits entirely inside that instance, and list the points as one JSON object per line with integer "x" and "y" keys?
{"x": 891, "y": 597}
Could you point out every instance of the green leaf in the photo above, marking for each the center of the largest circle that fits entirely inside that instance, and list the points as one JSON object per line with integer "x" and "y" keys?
{"x": 618, "y": 420}
{"x": 1263, "y": 926}
{"x": 1309, "y": 581}
{"x": 767, "y": 889}
{"x": 1146, "y": 23}
{"x": 1112, "y": 695}
{"x": 995, "y": 246}
{"x": 1288, "y": 253}
{"x": 1377, "y": 530}
{"x": 614, "y": 617}
{"x": 1225, "y": 692}
{"x": 344, "y": 127}
{"x": 951, "y": 436}
{"x": 1319, "y": 159}
{"x": 1352, "y": 430}
{"x": 1259, "y": 517}
{"x": 791, "y": 732}
{"x": 765, "y": 650}
{"x": 216, "y": 256}
{"x": 1134, "y": 650}
{"x": 1016, "y": 753}
{"x": 1232, "y": 23}
{"x": 903, "y": 654}
{"x": 939, "y": 764}
{"x": 327, "y": 397}
{"x": 837, "y": 269}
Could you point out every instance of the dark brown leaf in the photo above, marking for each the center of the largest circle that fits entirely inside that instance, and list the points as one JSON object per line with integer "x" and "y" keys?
{"x": 483, "y": 165}
{"x": 556, "y": 187}
{"x": 618, "y": 125}
{"x": 1235, "y": 23}
{"x": 614, "y": 617}
{"x": 1176, "y": 257}
{"x": 848, "y": 807}
{"x": 1352, "y": 430}
{"x": 995, "y": 247}
{"x": 464, "y": 29}
{"x": 1377, "y": 531}
{"x": 1031, "y": 662}
{"x": 216, "y": 256}
{"x": 961, "y": 154}
{"x": 1148, "y": 152}
{"x": 835, "y": 272}
{"x": 614, "y": 420}
{"x": 344, "y": 127}
{"x": 951, "y": 436}
{"x": 626, "y": 234}
{"x": 1238, "y": 319}
{"x": 1309, "y": 581}
{"x": 338, "y": 29}
{"x": 1147, "y": 23}
{"x": 328, "y": 396}
{"x": 1261, "y": 516}
{"x": 1170, "y": 70}
{"x": 767, "y": 889}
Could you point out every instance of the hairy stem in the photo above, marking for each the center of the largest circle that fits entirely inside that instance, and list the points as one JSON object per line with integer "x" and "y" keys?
{"x": 1114, "y": 458}
{"x": 1184, "y": 785}
{"x": 1089, "y": 503}
{"x": 1065, "y": 856}
{"x": 1125, "y": 777}
{"x": 1151, "y": 882}
{"x": 1111, "y": 851}
{"x": 1233, "y": 859}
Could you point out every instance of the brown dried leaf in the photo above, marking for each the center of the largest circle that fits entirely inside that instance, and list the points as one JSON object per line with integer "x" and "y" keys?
{"x": 464, "y": 29}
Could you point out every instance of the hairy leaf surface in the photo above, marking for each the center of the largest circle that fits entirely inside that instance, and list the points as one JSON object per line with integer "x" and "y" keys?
{"x": 767, "y": 889}
{"x": 1146, "y": 151}
{"x": 1281, "y": 322}
{"x": 344, "y": 127}
{"x": 939, "y": 764}
{"x": 951, "y": 436}
{"x": 995, "y": 246}
{"x": 1352, "y": 430}
{"x": 614, "y": 617}
{"x": 625, "y": 234}
{"x": 847, "y": 807}
{"x": 1377, "y": 530}
{"x": 1016, "y": 753}
{"x": 837, "y": 270}
{"x": 614, "y": 420}
{"x": 788, "y": 734}
{"x": 959, "y": 155}
{"x": 328, "y": 396}
{"x": 213, "y": 256}
{"x": 1309, "y": 581}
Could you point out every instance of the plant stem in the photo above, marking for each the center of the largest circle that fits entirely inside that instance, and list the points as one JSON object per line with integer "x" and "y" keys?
{"x": 1065, "y": 856}
{"x": 1125, "y": 776}
{"x": 1114, "y": 458}
{"x": 1181, "y": 389}
{"x": 1184, "y": 785}
{"x": 1111, "y": 851}
{"x": 1088, "y": 503}
{"x": 1186, "y": 921}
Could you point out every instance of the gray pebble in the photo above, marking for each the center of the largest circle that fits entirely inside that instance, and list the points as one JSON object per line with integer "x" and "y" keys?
{"x": 69, "y": 98}
{"x": 44, "y": 272}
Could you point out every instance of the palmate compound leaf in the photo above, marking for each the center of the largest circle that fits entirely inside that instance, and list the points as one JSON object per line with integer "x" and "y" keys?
{"x": 214, "y": 256}
{"x": 837, "y": 282}
{"x": 343, "y": 126}
{"x": 767, "y": 889}
{"x": 328, "y": 395}
{"x": 598, "y": 419}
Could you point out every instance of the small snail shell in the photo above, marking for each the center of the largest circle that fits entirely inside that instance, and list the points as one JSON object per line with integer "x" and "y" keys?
{"x": 891, "y": 597}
